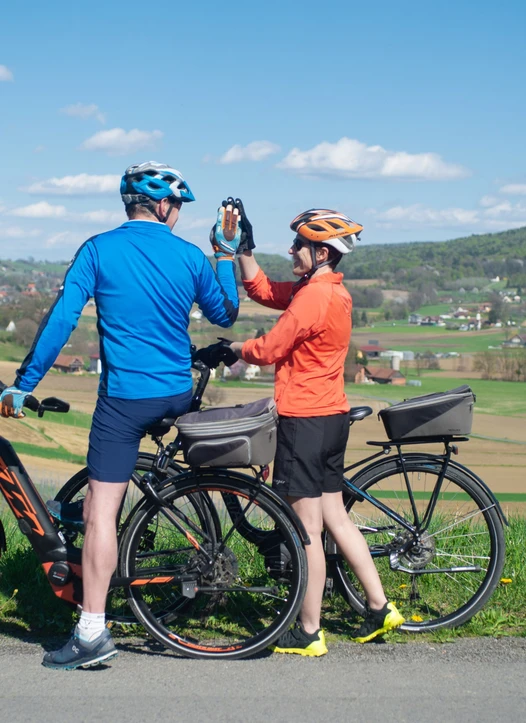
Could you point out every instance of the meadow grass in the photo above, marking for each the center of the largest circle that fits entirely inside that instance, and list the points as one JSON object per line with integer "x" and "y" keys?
{"x": 28, "y": 606}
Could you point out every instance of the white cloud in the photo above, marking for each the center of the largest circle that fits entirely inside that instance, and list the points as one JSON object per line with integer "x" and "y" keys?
{"x": 349, "y": 158}
{"x": 499, "y": 216}
{"x": 16, "y": 232}
{"x": 80, "y": 110}
{"x": 40, "y": 210}
{"x": 64, "y": 238}
{"x": 419, "y": 215}
{"x": 195, "y": 223}
{"x": 514, "y": 189}
{"x": 39, "y": 149}
{"x": 486, "y": 201}
{"x": 118, "y": 142}
{"x": 5, "y": 73}
{"x": 80, "y": 185}
{"x": 255, "y": 151}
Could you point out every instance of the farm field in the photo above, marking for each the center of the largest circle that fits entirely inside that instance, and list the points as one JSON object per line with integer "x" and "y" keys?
{"x": 401, "y": 336}
{"x": 496, "y": 451}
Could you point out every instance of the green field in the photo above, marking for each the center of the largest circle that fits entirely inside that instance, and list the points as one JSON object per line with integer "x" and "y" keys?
{"x": 500, "y": 398}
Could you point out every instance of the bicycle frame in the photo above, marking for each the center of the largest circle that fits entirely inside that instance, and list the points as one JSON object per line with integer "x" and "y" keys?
{"x": 61, "y": 563}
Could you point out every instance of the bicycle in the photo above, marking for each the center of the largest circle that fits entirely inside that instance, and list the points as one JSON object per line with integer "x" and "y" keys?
{"x": 434, "y": 528}
{"x": 190, "y": 574}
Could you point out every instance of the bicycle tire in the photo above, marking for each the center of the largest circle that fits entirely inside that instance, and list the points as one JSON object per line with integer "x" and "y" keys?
{"x": 117, "y": 609}
{"x": 464, "y": 530}
{"x": 239, "y": 608}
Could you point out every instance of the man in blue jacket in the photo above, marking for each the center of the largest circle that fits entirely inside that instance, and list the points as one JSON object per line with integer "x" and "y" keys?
{"x": 144, "y": 281}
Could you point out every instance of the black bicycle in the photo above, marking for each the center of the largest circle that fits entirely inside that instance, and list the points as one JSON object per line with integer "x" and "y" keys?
{"x": 187, "y": 568}
{"x": 434, "y": 528}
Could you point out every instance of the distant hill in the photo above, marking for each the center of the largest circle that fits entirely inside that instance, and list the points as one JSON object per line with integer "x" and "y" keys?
{"x": 485, "y": 255}
{"x": 481, "y": 256}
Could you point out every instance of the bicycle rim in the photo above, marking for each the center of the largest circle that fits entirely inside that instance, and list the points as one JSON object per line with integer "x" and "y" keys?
{"x": 241, "y": 604}
{"x": 454, "y": 566}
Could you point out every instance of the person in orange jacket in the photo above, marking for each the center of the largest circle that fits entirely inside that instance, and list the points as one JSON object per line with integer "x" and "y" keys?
{"x": 308, "y": 346}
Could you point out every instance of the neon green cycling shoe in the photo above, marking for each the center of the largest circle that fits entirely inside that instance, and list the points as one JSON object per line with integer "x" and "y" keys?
{"x": 298, "y": 641}
{"x": 378, "y": 622}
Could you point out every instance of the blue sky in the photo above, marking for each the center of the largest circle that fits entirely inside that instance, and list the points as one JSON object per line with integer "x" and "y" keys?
{"x": 407, "y": 116}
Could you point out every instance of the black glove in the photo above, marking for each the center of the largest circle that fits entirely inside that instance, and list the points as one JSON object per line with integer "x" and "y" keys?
{"x": 247, "y": 237}
{"x": 213, "y": 355}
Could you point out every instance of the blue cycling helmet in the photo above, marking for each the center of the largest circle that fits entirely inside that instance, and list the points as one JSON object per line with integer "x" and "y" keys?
{"x": 151, "y": 180}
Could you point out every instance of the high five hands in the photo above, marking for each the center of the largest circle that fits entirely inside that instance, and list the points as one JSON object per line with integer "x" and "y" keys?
{"x": 232, "y": 232}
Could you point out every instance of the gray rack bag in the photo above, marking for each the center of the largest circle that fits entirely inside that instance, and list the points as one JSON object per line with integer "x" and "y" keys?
{"x": 238, "y": 436}
{"x": 444, "y": 414}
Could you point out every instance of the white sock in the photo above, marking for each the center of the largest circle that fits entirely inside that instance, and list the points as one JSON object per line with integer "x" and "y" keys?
{"x": 90, "y": 626}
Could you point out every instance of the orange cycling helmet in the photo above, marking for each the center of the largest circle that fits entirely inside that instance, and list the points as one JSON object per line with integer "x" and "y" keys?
{"x": 321, "y": 225}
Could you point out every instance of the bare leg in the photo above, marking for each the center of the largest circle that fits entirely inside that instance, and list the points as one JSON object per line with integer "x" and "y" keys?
{"x": 99, "y": 552}
{"x": 353, "y": 547}
{"x": 309, "y": 510}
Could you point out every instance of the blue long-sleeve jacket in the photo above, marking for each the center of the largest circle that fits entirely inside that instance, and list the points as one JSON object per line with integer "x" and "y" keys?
{"x": 144, "y": 281}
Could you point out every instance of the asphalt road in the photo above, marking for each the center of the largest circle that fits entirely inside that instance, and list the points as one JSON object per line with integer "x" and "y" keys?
{"x": 470, "y": 680}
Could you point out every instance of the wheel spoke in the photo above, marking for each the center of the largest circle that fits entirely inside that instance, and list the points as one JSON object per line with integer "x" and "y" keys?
{"x": 463, "y": 531}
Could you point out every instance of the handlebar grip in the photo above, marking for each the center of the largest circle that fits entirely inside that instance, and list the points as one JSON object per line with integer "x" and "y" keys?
{"x": 30, "y": 402}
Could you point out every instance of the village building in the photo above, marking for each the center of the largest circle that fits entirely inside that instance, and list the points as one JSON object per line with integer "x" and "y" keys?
{"x": 386, "y": 376}
{"x": 69, "y": 364}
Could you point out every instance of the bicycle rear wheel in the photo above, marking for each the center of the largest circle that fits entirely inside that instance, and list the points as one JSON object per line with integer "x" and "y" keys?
{"x": 443, "y": 569}
{"x": 225, "y": 601}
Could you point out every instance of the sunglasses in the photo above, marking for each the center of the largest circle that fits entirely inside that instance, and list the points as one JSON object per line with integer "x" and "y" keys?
{"x": 299, "y": 243}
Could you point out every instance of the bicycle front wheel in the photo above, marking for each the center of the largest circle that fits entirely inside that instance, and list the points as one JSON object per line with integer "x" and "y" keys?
{"x": 444, "y": 565}
{"x": 75, "y": 490}
{"x": 225, "y": 596}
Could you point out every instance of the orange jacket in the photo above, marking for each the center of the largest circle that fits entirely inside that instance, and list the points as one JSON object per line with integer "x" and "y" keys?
{"x": 308, "y": 344}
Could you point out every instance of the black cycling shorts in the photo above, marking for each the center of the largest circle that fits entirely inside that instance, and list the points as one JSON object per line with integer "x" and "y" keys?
{"x": 310, "y": 455}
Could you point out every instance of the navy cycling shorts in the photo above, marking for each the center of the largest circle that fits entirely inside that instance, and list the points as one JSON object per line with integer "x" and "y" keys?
{"x": 117, "y": 428}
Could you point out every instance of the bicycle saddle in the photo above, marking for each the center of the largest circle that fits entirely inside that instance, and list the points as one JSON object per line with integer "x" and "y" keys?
{"x": 162, "y": 427}
{"x": 358, "y": 413}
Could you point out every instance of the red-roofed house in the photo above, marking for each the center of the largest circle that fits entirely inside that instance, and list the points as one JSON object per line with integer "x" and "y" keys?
{"x": 386, "y": 376}
{"x": 69, "y": 364}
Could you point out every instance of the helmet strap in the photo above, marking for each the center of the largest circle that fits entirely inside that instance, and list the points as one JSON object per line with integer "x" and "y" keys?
{"x": 315, "y": 264}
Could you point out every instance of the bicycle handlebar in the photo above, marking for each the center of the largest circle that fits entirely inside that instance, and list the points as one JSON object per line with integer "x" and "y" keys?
{"x": 49, "y": 404}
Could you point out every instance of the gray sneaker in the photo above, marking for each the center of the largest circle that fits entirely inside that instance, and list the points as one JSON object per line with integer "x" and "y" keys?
{"x": 78, "y": 654}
